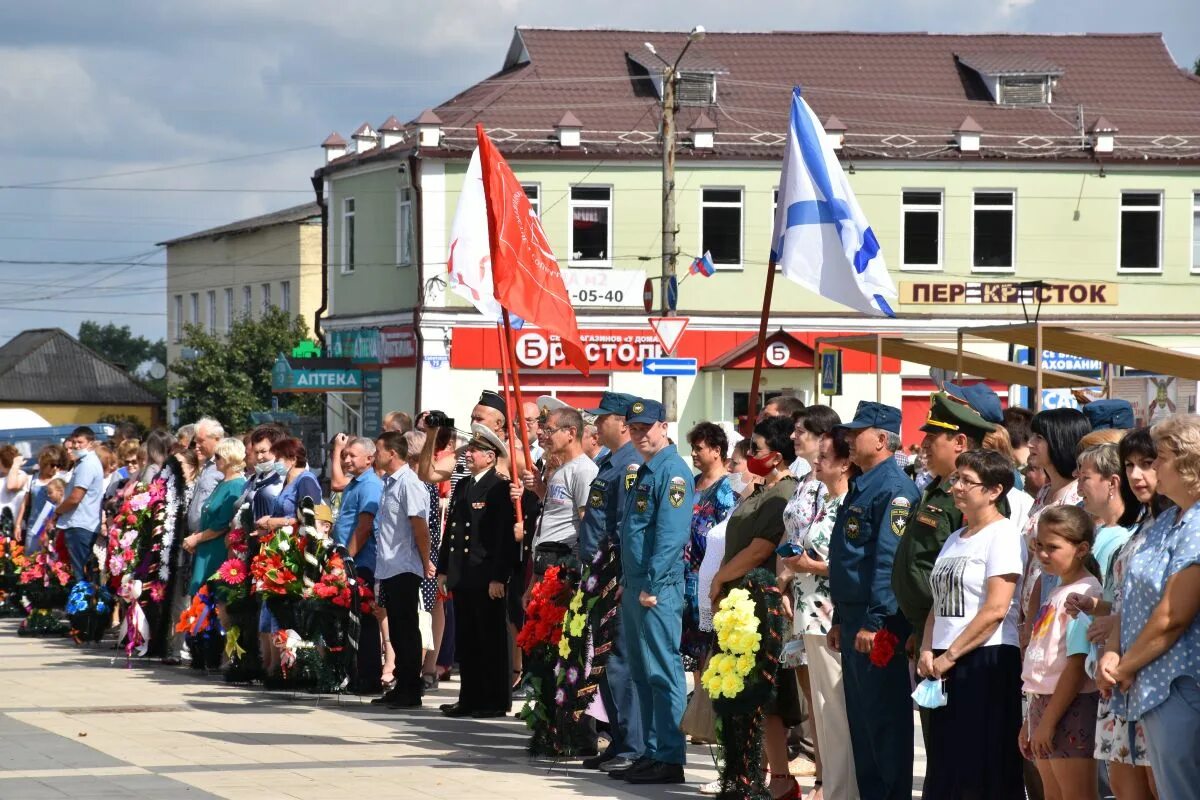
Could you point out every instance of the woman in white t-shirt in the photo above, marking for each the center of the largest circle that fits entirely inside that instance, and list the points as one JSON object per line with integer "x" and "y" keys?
{"x": 970, "y": 641}
{"x": 14, "y": 483}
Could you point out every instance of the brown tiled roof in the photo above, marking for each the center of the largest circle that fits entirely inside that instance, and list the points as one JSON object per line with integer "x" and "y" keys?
{"x": 900, "y": 95}
{"x": 391, "y": 124}
{"x": 1009, "y": 62}
{"x": 334, "y": 140}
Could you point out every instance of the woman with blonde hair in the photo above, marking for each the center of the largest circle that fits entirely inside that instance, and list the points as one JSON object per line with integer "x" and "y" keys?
{"x": 1159, "y": 660}
{"x": 216, "y": 517}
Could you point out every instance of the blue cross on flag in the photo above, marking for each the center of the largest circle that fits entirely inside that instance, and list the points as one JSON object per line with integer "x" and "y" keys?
{"x": 821, "y": 239}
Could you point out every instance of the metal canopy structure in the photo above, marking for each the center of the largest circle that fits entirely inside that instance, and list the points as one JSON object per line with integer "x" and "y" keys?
{"x": 894, "y": 346}
{"x": 1095, "y": 344}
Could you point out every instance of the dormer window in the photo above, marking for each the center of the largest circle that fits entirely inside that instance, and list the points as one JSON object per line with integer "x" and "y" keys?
{"x": 697, "y": 84}
{"x": 1015, "y": 79}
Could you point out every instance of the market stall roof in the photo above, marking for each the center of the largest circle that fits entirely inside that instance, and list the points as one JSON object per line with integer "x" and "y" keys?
{"x": 1094, "y": 344}
{"x": 972, "y": 364}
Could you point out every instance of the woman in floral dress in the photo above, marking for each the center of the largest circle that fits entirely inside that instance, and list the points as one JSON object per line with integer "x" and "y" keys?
{"x": 714, "y": 501}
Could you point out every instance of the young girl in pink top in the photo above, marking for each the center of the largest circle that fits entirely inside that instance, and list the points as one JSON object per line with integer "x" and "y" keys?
{"x": 1059, "y": 731}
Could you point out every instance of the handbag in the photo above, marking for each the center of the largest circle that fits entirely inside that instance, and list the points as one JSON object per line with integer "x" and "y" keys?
{"x": 699, "y": 719}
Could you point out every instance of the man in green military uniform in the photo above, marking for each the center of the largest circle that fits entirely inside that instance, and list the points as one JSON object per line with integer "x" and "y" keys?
{"x": 952, "y": 428}
{"x": 653, "y": 531}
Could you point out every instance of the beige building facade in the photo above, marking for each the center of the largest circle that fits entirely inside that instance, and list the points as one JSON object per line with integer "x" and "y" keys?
{"x": 220, "y": 275}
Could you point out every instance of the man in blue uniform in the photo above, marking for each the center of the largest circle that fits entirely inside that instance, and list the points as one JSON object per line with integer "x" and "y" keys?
{"x": 654, "y": 530}
{"x": 601, "y": 517}
{"x": 868, "y": 528}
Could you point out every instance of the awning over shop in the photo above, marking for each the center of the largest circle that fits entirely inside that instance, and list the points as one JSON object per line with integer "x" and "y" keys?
{"x": 971, "y": 363}
{"x": 1092, "y": 344}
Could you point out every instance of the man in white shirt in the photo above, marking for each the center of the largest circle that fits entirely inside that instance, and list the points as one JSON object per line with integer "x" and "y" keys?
{"x": 402, "y": 559}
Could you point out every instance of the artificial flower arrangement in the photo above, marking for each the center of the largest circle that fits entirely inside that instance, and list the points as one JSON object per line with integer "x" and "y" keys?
{"x": 44, "y": 581}
{"x": 237, "y": 608}
{"x": 202, "y": 630}
{"x": 276, "y": 574}
{"x": 541, "y": 639}
{"x": 741, "y": 678}
{"x": 586, "y": 641}
{"x": 89, "y": 610}
{"x": 12, "y": 562}
{"x": 140, "y": 537}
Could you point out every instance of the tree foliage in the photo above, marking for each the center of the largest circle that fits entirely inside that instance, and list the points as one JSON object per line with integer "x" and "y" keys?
{"x": 1196, "y": 67}
{"x": 230, "y": 376}
{"x": 116, "y": 343}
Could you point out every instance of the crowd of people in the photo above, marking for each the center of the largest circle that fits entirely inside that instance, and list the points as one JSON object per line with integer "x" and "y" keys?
{"x": 1031, "y": 581}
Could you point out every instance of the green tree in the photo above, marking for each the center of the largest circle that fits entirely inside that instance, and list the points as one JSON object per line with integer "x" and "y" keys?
{"x": 230, "y": 376}
{"x": 1196, "y": 67}
{"x": 116, "y": 343}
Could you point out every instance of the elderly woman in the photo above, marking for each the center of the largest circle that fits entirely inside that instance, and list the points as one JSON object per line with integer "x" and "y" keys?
{"x": 754, "y": 530}
{"x": 207, "y": 545}
{"x": 812, "y": 616}
{"x": 298, "y": 483}
{"x": 1159, "y": 664}
{"x": 970, "y": 641}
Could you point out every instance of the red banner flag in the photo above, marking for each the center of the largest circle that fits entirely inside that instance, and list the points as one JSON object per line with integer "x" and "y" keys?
{"x": 525, "y": 275}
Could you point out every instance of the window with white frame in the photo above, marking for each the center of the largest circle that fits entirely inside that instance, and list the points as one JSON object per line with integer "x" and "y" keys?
{"x": 405, "y": 231}
{"x": 229, "y": 310}
{"x": 1196, "y": 232}
{"x": 721, "y": 225}
{"x": 178, "y": 308}
{"x": 212, "y": 311}
{"x": 921, "y": 241}
{"x": 591, "y": 226}
{"x": 247, "y": 302}
{"x": 348, "y": 234}
{"x": 285, "y": 296}
{"x": 993, "y": 233}
{"x": 266, "y": 297}
{"x": 195, "y": 303}
{"x": 533, "y": 192}
{"x": 1141, "y": 231}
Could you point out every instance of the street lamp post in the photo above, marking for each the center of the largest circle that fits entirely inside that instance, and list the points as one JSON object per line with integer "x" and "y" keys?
{"x": 670, "y": 253}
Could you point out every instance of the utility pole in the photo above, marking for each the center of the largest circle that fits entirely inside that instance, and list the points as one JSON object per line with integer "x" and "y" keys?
{"x": 670, "y": 253}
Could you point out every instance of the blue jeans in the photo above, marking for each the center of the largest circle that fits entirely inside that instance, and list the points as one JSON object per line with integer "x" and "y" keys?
{"x": 79, "y": 547}
{"x": 1169, "y": 727}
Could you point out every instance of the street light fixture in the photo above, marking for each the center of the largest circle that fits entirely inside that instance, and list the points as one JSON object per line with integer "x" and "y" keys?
{"x": 670, "y": 253}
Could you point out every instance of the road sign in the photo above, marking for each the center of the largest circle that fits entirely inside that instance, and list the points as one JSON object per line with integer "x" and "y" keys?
{"x": 668, "y": 330}
{"x": 679, "y": 367}
{"x": 672, "y": 290}
{"x": 831, "y": 373}
{"x": 648, "y": 295}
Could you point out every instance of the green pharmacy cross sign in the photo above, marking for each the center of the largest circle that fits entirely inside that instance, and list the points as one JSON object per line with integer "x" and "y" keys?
{"x": 315, "y": 375}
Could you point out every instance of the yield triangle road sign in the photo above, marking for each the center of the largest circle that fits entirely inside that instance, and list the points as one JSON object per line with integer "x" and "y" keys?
{"x": 669, "y": 331}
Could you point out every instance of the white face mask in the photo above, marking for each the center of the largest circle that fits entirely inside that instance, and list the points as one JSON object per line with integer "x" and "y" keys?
{"x": 737, "y": 482}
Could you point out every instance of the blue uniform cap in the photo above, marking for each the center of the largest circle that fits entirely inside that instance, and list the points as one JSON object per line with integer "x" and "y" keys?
{"x": 874, "y": 415}
{"x": 646, "y": 412}
{"x": 613, "y": 403}
{"x": 1104, "y": 414}
{"x": 980, "y": 397}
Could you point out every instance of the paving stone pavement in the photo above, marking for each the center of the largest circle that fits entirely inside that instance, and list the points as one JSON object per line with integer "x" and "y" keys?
{"x": 81, "y": 722}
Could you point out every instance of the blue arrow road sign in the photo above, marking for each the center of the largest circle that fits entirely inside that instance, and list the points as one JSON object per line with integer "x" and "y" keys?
{"x": 685, "y": 367}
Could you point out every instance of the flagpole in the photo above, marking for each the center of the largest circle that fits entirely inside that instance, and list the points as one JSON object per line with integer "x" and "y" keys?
{"x": 511, "y": 352}
{"x": 508, "y": 418}
{"x": 752, "y": 405}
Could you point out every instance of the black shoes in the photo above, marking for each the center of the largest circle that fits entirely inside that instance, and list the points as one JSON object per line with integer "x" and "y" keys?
{"x": 640, "y": 764}
{"x": 620, "y": 762}
{"x": 456, "y": 710}
{"x": 595, "y": 761}
{"x": 656, "y": 772}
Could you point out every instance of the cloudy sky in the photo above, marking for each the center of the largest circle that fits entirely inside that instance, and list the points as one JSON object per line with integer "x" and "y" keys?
{"x": 128, "y": 122}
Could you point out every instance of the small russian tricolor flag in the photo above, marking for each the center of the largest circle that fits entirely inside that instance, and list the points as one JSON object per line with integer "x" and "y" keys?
{"x": 702, "y": 265}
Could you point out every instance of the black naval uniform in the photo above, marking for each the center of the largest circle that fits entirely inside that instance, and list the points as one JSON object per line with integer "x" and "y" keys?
{"x": 478, "y": 548}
